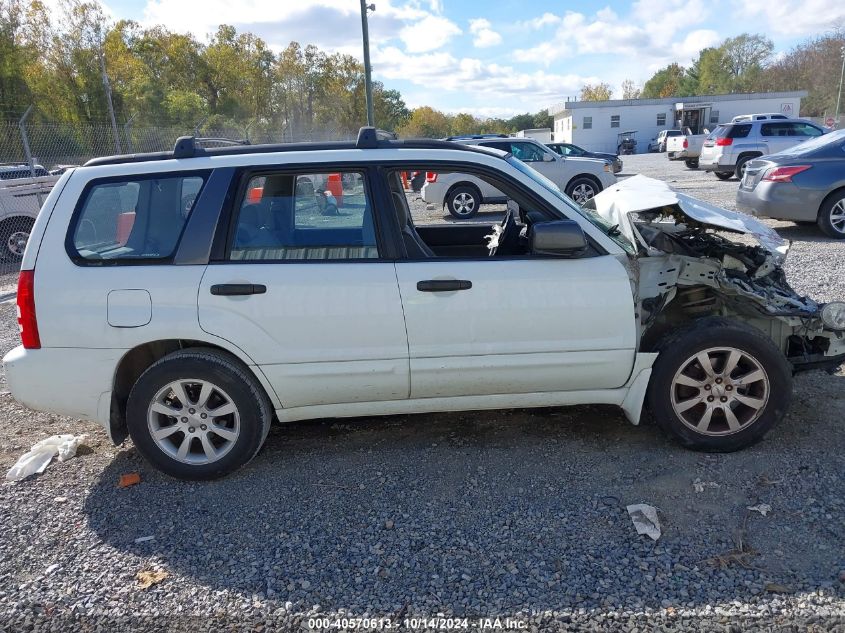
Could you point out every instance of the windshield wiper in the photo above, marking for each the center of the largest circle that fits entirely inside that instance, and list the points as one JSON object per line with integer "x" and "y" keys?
{"x": 614, "y": 231}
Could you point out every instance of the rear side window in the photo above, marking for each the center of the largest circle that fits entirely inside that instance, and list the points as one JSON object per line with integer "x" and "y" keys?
{"x": 305, "y": 216}
{"x": 133, "y": 219}
{"x": 733, "y": 131}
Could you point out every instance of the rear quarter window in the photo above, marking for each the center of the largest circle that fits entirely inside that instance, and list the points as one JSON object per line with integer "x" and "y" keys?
{"x": 738, "y": 131}
{"x": 133, "y": 219}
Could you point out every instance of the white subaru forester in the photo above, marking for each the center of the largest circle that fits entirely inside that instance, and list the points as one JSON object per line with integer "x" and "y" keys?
{"x": 189, "y": 298}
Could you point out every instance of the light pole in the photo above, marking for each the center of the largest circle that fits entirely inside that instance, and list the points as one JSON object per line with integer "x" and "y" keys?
{"x": 368, "y": 85}
{"x": 839, "y": 96}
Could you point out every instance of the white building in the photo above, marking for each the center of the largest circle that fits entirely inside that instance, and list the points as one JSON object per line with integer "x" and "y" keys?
{"x": 595, "y": 125}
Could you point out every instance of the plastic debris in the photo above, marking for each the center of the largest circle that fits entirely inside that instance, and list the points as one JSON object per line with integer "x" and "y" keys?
{"x": 645, "y": 519}
{"x": 147, "y": 578}
{"x": 129, "y": 479}
{"x": 42, "y": 453}
{"x": 699, "y": 485}
{"x": 144, "y": 539}
{"x": 762, "y": 508}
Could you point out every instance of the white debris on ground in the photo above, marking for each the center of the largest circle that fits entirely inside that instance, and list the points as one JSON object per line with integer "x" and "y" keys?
{"x": 645, "y": 519}
{"x": 42, "y": 453}
{"x": 762, "y": 508}
{"x": 699, "y": 485}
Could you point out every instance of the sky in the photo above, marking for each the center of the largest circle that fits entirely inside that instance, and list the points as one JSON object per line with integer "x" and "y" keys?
{"x": 500, "y": 57}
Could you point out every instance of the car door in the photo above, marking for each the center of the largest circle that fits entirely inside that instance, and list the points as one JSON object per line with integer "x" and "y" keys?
{"x": 303, "y": 288}
{"x": 480, "y": 325}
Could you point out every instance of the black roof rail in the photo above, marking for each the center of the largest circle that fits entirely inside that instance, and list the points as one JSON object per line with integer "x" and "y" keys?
{"x": 368, "y": 138}
{"x": 472, "y": 137}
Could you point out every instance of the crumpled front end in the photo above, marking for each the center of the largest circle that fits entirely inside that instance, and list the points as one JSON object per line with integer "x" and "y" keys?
{"x": 689, "y": 268}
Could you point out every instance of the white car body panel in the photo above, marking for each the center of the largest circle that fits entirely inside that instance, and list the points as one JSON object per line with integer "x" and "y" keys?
{"x": 323, "y": 333}
{"x": 525, "y": 325}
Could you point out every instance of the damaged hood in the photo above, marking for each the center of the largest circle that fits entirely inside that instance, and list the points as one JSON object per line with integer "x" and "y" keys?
{"x": 640, "y": 193}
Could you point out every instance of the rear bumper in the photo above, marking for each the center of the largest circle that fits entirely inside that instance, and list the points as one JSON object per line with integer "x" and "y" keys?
{"x": 724, "y": 167}
{"x": 72, "y": 382}
{"x": 781, "y": 201}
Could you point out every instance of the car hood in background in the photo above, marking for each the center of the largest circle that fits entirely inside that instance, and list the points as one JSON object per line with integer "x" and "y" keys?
{"x": 640, "y": 193}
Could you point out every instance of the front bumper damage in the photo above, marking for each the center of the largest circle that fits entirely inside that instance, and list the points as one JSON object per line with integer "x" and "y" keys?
{"x": 688, "y": 268}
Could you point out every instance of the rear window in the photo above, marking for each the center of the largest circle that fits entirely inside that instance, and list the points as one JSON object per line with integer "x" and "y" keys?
{"x": 133, "y": 219}
{"x": 731, "y": 131}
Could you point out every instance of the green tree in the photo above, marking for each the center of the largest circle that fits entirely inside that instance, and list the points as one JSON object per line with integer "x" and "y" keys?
{"x": 426, "y": 122}
{"x": 666, "y": 82}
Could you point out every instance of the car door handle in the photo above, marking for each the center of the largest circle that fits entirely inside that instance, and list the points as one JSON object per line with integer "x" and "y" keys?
{"x": 443, "y": 285}
{"x": 236, "y": 290}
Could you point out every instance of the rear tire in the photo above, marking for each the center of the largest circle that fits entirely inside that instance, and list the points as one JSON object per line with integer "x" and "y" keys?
{"x": 740, "y": 166}
{"x": 14, "y": 236}
{"x": 732, "y": 403}
{"x": 463, "y": 202}
{"x": 220, "y": 426}
{"x": 832, "y": 215}
{"x": 691, "y": 163}
{"x": 724, "y": 175}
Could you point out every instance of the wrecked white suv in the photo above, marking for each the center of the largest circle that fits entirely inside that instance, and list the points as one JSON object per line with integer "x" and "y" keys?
{"x": 189, "y": 298}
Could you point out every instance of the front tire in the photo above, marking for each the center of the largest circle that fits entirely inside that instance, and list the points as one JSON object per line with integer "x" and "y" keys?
{"x": 724, "y": 175}
{"x": 582, "y": 189}
{"x": 198, "y": 414}
{"x": 719, "y": 385}
{"x": 832, "y": 216}
{"x": 463, "y": 202}
{"x": 740, "y": 166}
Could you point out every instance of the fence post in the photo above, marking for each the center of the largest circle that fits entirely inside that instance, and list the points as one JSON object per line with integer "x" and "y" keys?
{"x": 26, "y": 149}
{"x": 199, "y": 125}
{"x": 127, "y": 134}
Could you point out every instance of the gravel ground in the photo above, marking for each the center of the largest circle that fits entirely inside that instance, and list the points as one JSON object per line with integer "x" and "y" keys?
{"x": 517, "y": 514}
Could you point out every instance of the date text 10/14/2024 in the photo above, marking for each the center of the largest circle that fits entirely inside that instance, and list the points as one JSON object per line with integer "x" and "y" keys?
{"x": 418, "y": 624}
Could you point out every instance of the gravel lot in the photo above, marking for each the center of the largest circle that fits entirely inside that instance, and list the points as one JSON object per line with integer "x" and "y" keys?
{"x": 516, "y": 514}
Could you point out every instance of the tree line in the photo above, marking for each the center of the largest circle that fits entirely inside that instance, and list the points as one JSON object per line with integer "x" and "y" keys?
{"x": 746, "y": 63}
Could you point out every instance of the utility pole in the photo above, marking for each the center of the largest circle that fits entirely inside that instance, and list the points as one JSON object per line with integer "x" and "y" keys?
{"x": 368, "y": 84}
{"x": 107, "y": 87}
{"x": 839, "y": 96}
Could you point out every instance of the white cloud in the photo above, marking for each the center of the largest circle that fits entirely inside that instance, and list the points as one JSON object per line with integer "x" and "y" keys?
{"x": 428, "y": 34}
{"x": 794, "y": 17}
{"x": 441, "y": 72}
{"x": 484, "y": 35}
{"x": 547, "y": 19}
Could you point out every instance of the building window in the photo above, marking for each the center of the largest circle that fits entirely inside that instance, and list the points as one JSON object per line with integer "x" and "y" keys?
{"x": 714, "y": 116}
{"x": 614, "y": 120}
{"x": 661, "y": 119}
{"x": 588, "y": 123}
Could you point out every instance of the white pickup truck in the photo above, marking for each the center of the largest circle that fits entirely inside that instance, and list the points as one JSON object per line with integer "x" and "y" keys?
{"x": 686, "y": 148}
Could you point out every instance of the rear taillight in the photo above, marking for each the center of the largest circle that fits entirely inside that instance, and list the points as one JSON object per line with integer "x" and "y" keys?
{"x": 686, "y": 143}
{"x": 724, "y": 142}
{"x": 27, "y": 323}
{"x": 431, "y": 176}
{"x": 784, "y": 174}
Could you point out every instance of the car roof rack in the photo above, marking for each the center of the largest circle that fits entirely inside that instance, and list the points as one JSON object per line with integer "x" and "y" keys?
{"x": 368, "y": 138}
{"x": 473, "y": 137}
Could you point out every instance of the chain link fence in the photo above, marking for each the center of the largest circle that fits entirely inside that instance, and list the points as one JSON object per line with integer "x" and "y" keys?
{"x": 34, "y": 154}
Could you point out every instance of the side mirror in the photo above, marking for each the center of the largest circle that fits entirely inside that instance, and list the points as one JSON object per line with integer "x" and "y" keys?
{"x": 548, "y": 158}
{"x": 560, "y": 238}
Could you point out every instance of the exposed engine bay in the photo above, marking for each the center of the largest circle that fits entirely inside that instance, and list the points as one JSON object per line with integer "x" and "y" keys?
{"x": 688, "y": 266}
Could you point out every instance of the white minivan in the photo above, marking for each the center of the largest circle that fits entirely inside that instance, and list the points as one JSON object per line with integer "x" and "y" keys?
{"x": 189, "y": 298}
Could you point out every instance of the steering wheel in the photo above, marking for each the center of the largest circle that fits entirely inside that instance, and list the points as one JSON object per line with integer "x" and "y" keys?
{"x": 508, "y": 236}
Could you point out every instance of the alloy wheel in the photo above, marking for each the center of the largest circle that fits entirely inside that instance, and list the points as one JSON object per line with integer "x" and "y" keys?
{"x": 193, "y": 421}
{"x": 17, "y": 243}
{"x": 837, "y": 216}
{"x": 720, "y": 391}
{"x": 463, "y": 203}
{"x": 583, "y": 192}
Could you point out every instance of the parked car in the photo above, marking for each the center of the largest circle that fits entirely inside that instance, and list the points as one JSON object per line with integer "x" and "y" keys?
{"x": 463, "y": 194}
{"x": 20, "y": 201}
{"x": 568, "y": 149}
{"x": 14, "y": 171}
{"x": 805, "y": 183}
{"x": 686, "y": 147}
{"x": 658, "y": 144}
{"x": 191, "y": 332}
{"x": 731, "y": 145}
{"x": 771, "y": 116}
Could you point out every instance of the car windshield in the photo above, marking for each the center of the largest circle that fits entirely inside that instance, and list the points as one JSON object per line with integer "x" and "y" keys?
{"x": 612, "y": 231}
{"x": 807, "y": 147}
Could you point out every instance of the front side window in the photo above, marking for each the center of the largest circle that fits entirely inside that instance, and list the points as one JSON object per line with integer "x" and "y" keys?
{"x": 305, "y": 216}
{"x": 804, "y": 129}
{"x": 588, "y": 123}
{"x": 614, "y": 120}
{"x": 139, "y": 218}
{"x": 527, "y": 152}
